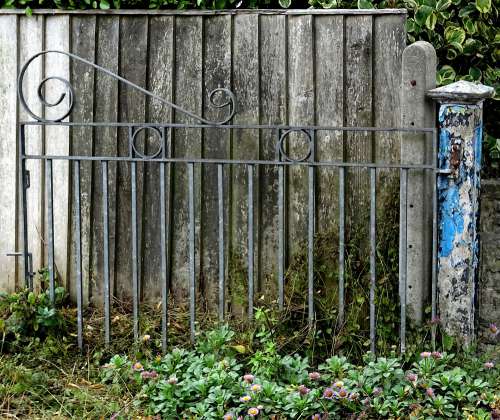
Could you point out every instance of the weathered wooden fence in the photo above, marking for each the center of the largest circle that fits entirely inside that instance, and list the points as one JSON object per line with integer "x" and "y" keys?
{"x": 328, "y": 67}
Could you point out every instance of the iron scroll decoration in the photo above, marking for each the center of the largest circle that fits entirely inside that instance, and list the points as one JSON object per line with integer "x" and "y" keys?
{"x": 229, "y": 103}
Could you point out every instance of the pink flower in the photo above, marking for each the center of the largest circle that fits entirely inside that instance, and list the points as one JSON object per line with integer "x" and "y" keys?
{"x": 138, "y": 367}
{"x": 245, "y": 398}
{"x": 489, "y": 365}
{"x": 228, "y": 416}
{"x": 253, "y": 411}
{"x": 342, "y": 393}
{"x": 248, "y": 378}
{"x": 303, "y": 390}
{"x": 377, "y": 391}
{"x": 493, "y": 328}
{"x": 149, "y": 374}
{"x": 256, "y": 388}
{"x": 430, "y": 392}
{"x": 425, "y": 354}
{"x": 412, "y": 377}
{"x": 316, "y": 417}
{"x": 314, "y": 376}
{"x": 436, "y": 355}
{"x": 328, "y": 393}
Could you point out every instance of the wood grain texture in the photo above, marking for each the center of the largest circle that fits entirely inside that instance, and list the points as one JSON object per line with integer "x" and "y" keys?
{"x": 160, "y": 77}
{"x": 31, "y": 36}
{"x": 83, "y": 30}
{"x": 358, "y": 113}
{"x": 105, "y": 144}
{"x": 57, "y": 37}
{"x": 329, "y": 77}
{"x": 273, "y": 110}
{"x": 186, "y": 143}
{"x": 301, "y": 97}
{"x": 132, "y": 108}
{"x": 216, "y": 144}
{"x": 8, "y": 147}
{"x": 245, "y": 145}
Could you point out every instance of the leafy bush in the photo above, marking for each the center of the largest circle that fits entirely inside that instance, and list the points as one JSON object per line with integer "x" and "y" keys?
{"x": 213, "y": 381}
{"x": 26, "y": 315}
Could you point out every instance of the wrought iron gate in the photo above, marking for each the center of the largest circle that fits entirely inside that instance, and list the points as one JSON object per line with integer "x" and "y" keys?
{"x": 162, "y": 156}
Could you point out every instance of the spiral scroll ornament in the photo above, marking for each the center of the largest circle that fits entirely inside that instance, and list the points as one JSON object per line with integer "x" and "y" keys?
{"x": 219, "y": 98}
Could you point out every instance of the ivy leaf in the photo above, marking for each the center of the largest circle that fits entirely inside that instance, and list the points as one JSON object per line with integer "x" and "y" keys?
{"x": 411, "y": 26}
{"x": 422, "y": 14}
{"x": 454, "y": 34}
{"x": 431, "y": 21}
{"x": 285, "y": 3}
{"x": 443, "y": 5}
{"x": 475, "y": 73}
{"x": 469, "y": 26}
{"x": 365, "y": 4}
{"x": 104, "y": 5}
{"x": 467, "y": 10}
{"x": 484, "y": 6}
{"x": 28, "y": 11}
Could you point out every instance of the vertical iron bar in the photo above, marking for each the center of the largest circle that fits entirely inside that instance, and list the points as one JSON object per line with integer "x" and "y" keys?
{"x": 78, "y": 252}
{"x": 164, "y": 268}
{"x": 105, "y": 232}
{"x": 222, "y": 287}
{"x": 28, "y": 272}
{"x": 50, "y": 226}
{"x": 341, "y": 243}
{"x": 192, "y": 285}
{"x": 310, "y": 246}
{"x": 403, "y": 250}
{"x": 373, "y": 250}
{"x": 435, "y": 177}
{"x": 281, "y": 236}
{"x": 250, "y": 243}
{"x": 135, "y": 255}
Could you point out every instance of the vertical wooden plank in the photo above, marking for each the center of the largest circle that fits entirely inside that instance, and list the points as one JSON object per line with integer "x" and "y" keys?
{"x": 329, "y": 62}
{"x": 132, "y": 107}
{"x": 83, "y": 30}
{"x": 301, "y": 103}
{"x": 389, "y": 39}
{"x": 245, "y": 145}
{"x": 358, "y": 113}
{"x": 31, "y": 37}
{"x": 273, "y": 110}
{"x": 186, "y": 143}
{"x": 216, "y": 143}
{"x": 57, "y": 34}
{"x": 160, "y": 76}
{"x": 105, "y": 144}
{"x": 8, "y": 151}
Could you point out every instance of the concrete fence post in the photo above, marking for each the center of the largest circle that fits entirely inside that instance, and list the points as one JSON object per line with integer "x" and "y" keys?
{"x": 459, "y": 151}
{"x": 418, "y": 111}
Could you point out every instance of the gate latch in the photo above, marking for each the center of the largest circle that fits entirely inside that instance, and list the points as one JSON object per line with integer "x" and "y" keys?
{"x": 27, "y": 180}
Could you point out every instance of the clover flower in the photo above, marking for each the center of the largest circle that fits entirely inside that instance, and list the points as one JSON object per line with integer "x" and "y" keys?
{"x": 425, "y": 354}
{"x": 228, "y": 416}
{"x": 303, "y": 390}
{"x": 493, "y": 328}
{"x": 412, "y": 377}
{"x": 342, "y": 393}
{"x": 146, "y": 337}
{"x": 436, "y": 355}
{"x": 253, "y": 411}
{"x": 489, "y": 365}
{"x": 430, "y": 392}
{"x": 316, "y": 417}
{"x": 377, "y": 391}
{"x": 256, "y": 388}
{"x": 245, "y": 398}
{"x": 328, "y": 393}
{"x": 137, "y": 366}
{"x": 367, "y": 401}
{"x": 172, "y": 380}
{"x": 248, "y": 378}
{"x": 314, "y": 376}
{"x": 338, "y": 384}
{"x": 149, "y": 374}
{"x": 353, "y": 396}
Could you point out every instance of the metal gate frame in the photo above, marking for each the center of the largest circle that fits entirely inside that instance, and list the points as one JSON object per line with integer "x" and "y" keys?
{"x": 165, "y": 160}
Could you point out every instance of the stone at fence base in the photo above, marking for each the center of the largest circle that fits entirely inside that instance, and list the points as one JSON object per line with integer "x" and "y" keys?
{"x": 459, "y": 151}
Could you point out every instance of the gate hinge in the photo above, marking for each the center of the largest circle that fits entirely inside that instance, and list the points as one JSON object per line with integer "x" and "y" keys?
{"x": 27, "y": 179}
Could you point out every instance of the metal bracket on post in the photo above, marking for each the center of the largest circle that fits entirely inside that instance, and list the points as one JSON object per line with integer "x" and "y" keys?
{"x": 459, "y": 153}
{"x": 30, "y": 274}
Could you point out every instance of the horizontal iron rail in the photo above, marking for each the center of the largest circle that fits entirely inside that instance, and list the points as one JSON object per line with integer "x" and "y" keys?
{"x": 240, "y": 162}
{"x": 234, "y": 126}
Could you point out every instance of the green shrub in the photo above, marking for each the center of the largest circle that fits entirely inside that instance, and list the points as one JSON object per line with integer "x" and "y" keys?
{"x": 213, "y": 380}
